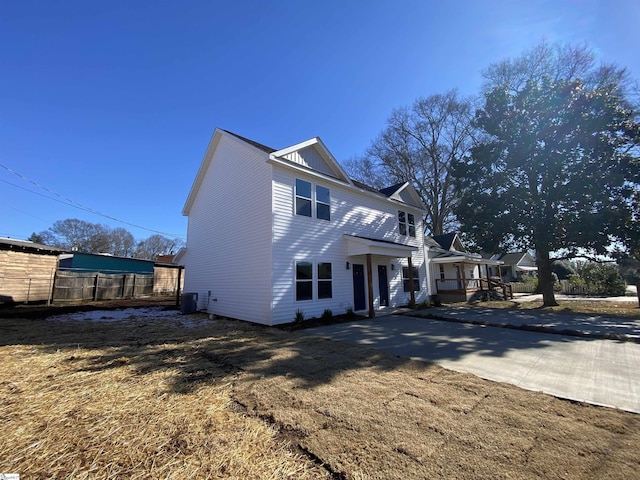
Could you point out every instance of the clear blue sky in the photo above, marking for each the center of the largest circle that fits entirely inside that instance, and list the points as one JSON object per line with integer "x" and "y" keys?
{"x": 111, "y": 104}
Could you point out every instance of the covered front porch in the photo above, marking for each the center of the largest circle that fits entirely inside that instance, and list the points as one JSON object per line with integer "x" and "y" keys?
{"x": 461, "y": 276}
{"x": 363, "y": 248}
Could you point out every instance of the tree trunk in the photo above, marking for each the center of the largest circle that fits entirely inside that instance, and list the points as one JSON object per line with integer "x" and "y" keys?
{"x": 545, "y": 279}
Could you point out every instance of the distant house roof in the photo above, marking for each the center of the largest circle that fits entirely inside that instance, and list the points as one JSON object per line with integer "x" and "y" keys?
{"x": 27, "y": 246}
{"x": 446, "y": 240}
{"x": 392, "y": 189}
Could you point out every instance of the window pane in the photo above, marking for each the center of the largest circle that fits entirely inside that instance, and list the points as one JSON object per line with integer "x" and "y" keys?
{"x": 304, "y": 290}
{"x": 303, "y": 207}
{"x": 401, "y": 216}
{"x": 405, "y": 272}
{"x": 304, "y": 271}
{"x": 412, "y": 231}
{"x": 324, "y": 289}
{"x": 303, "y": 189}
{"x": 416, "y": 285}
{"x": 415, "y": 272}
{"x": 324, "y": 271}
{"x": 405, "y": 285}
{"x": 322, "y": 194}
{"x": 402, "y": 227}
{"x": 323, "y": 212}
{"x": 411, "y": 219}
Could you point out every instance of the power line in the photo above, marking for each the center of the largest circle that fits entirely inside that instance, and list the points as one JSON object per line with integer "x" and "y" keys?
{"x": 74, "y": 204}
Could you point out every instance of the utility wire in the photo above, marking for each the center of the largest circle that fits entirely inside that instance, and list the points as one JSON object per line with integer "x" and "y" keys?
{"x": 72, "y": 203}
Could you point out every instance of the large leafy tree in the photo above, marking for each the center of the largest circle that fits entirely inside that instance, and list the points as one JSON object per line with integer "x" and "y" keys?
{"x": 419, "y": 145}
{"x": 553, "y": 173}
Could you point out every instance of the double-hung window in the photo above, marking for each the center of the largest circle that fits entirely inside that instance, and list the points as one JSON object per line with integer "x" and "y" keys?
{"x": 323, "y": 203}
{"x": 324, "y": 281}
{"x": 406, "y": 223}
{"x": 305, "y": 281}
{"x": 303, "y": 198}
{"x": 405, "y": 279}
{"x": 312, "y": 200}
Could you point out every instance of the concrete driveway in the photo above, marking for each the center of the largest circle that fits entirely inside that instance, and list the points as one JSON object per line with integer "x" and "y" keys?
{"x": 602, "y": 372}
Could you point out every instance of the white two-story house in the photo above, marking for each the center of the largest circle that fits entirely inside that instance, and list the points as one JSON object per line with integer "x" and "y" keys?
{"x": 274, "y": 232}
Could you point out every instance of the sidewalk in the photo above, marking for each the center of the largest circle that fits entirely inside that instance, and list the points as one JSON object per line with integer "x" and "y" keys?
{"x": 584, "y": 325}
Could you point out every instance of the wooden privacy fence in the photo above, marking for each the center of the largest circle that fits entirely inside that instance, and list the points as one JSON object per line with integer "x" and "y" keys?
{"x": 34, "y": 288}
{"x": 91, "y": 286}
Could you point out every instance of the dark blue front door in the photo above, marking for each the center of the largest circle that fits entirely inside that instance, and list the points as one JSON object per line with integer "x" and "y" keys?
{"x": 383, "y": 285}
{"x": 359, "y": 302}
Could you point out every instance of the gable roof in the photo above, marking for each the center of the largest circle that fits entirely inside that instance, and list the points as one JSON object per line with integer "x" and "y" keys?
{"x": 448, "y": 241}
{"x": 320, "y": 159}
{"x": 514, "y": 258}
{"x": 259, "y": 146}
{"x": 311, "y": 155}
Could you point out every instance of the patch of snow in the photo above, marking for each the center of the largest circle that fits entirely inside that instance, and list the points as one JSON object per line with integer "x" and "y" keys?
{"x": 135, "y": 315}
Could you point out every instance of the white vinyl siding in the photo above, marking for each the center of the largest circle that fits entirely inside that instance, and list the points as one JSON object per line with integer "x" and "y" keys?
{"x": 298, "y": 238}
{"x": 230, "y": 262}
{"x": 310, "y": 158}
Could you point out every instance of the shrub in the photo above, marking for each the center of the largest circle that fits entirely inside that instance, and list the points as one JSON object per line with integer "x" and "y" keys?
{"x": 299, "y": 318}
{"x": 350, "y": 313}
{"x": 327, "y": 315}
{"x": 563, "y": 269}
{"x": 603, "y": 279}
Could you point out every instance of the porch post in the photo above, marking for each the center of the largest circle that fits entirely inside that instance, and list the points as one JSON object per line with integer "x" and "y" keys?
{"x": 486, "y": 270}
{"x": 464, "y": 281}
{"x": 372, "y": 312}
{"x": 412, "y": 302}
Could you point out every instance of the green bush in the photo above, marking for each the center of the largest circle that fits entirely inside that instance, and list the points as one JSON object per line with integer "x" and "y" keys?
{"x": 327, "y": 315}
{"x": 603, "y": 279}
{"x": 299, "y": 318}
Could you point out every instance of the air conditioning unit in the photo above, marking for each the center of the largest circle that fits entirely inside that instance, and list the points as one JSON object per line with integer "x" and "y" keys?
{"x": 189, "y": 303}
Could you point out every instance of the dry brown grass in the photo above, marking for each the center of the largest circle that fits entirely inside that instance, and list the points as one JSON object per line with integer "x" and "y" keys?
{"x": 599, "y": 307}
{"x": 77, "y": 410}
{"x": 232, "y": 400}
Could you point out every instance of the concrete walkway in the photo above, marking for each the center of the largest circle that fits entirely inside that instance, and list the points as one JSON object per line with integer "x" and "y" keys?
{"x": 602, "y": 372}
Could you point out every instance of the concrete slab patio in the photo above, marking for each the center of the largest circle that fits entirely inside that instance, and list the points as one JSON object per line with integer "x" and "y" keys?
{"x": 602, "y": 372}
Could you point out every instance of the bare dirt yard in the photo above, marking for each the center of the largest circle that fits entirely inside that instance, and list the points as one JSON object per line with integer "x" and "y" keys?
{"x": 152, "y": 394}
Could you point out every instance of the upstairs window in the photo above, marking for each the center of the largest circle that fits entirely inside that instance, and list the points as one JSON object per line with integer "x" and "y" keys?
{"x": 405, "y": 279}
{"x": 412, "y": 225}
{"x": 402, "y": 222}
{"x": 323, "y": 203}
{"x": 406, "y": 223}
{"x": 303, "y": 198}
{"x": 312, "y": 202}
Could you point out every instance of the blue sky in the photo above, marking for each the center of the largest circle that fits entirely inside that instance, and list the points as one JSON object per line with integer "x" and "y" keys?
{"x": 110, "y": 105}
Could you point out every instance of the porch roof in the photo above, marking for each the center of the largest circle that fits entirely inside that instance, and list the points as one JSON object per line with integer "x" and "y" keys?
{"x": 357, "y": 245}
{"x": 459, "y": 257}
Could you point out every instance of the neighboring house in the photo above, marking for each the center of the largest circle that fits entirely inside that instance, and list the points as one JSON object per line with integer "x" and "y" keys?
{"x": 273, "y": 232}
{"x": 516, "y": 265}
{"x": 27, "y": 271}
{"x": 456, "y": 274}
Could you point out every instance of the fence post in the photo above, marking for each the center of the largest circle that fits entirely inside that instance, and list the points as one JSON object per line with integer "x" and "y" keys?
{"x": 178, "y": 286}
{"x": 133, "y": 289}
{"x": 95, "y": 287}
{"x": 29, "y": 290}
{"x": 52, "y": 286}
